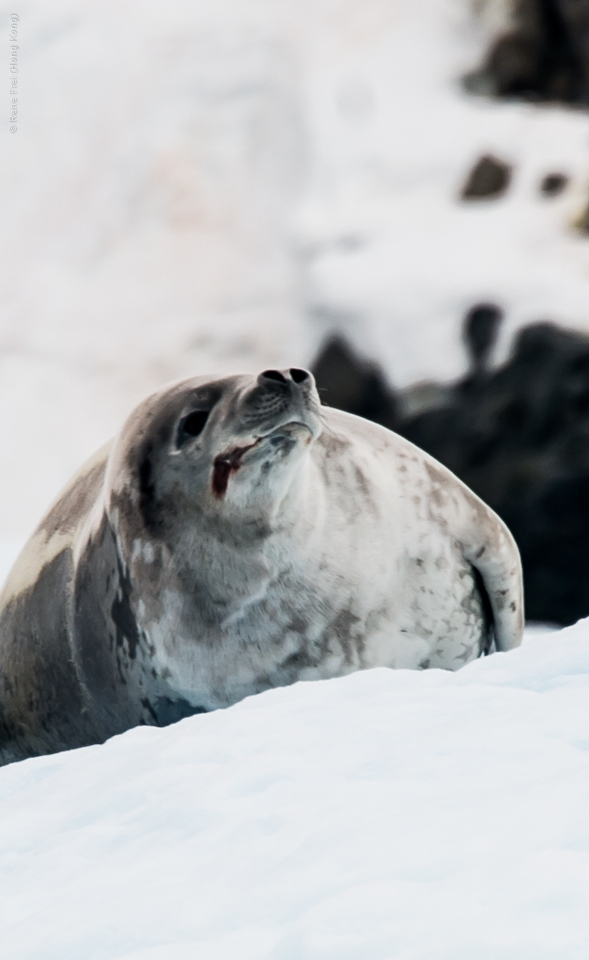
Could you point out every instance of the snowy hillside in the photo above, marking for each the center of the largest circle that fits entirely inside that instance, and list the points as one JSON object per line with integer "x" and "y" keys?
{"x": 211, "y": 186}
{"x": 390, "y": 814}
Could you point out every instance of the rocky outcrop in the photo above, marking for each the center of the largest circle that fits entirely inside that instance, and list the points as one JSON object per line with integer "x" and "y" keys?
{"x": 353, "y": 384}
{"x": 544, "y": 55}
{"x": 489, "y": 178}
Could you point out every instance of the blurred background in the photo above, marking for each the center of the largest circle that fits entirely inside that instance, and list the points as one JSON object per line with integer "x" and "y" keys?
{"x": 395, "y": 192}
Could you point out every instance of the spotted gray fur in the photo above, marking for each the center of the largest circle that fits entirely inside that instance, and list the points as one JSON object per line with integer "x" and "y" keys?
{"x": 151, "y": 592}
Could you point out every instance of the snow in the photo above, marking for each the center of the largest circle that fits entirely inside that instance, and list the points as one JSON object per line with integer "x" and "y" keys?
{"x": 388, "y": 814}
{"x": 211, "y": 187}
{"x": 400, "y": 258}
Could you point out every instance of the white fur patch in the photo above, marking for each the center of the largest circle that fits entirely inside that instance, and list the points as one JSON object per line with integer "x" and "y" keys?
{"x": 42, "y": 548}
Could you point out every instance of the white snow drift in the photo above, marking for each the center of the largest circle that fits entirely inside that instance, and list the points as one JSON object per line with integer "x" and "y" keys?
{"x": 390, "y": 815}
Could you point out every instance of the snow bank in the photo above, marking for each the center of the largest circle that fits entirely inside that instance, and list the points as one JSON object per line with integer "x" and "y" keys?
{"x": 423, "y": 816}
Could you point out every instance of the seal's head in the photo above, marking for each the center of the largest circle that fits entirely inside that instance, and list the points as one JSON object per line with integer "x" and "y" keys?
{"x": 219, "y": 449}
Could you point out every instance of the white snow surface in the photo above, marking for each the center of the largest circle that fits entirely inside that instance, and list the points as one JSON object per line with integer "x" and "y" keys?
{"x": 389, "y": 815}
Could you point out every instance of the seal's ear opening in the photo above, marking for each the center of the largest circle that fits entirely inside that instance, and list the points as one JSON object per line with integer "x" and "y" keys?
{"x": 192, "y": 425}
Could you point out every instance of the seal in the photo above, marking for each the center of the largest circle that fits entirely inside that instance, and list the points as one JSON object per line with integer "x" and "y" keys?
{"x": 238, "y": 536}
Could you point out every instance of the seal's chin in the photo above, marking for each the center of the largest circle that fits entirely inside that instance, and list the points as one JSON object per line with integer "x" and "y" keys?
{"x": 294, "y": 429}
{"x": 272, "y": 446}
{"x": 278, "y": 443}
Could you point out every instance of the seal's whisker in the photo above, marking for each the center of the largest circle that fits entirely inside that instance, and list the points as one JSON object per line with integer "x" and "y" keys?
{"x": 325, "y": 424}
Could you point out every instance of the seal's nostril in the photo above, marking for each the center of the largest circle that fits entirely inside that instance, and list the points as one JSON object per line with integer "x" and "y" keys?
{"x": 273, "y": 375}
{"x": 299, "y": 376}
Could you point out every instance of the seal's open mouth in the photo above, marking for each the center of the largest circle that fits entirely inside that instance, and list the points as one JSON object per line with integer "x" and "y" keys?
{"x": 231, "y": 460}
{"x": 226, "y": 464}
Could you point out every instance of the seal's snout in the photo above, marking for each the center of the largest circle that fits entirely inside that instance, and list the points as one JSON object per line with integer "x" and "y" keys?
{"x": 276, "y": 398}
{"x": 293, "y": 375}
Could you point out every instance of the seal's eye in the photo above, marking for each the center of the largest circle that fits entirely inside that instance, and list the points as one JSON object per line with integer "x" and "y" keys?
{"x": 193, "y": 424}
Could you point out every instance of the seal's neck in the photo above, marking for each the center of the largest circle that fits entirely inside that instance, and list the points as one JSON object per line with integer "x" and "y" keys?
{"x": 250, "y": 514}
{"x": 230, "y": 556}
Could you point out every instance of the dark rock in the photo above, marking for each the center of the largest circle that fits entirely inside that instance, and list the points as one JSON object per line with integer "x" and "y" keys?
{"x": 489, "y": 177}
{"x": 350, "y": 383}
{"x": 514, "y": 65}
{"x": 553, "y": 184}
{"x": 479, "y": 332}
{"x": 545, "y": 56}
